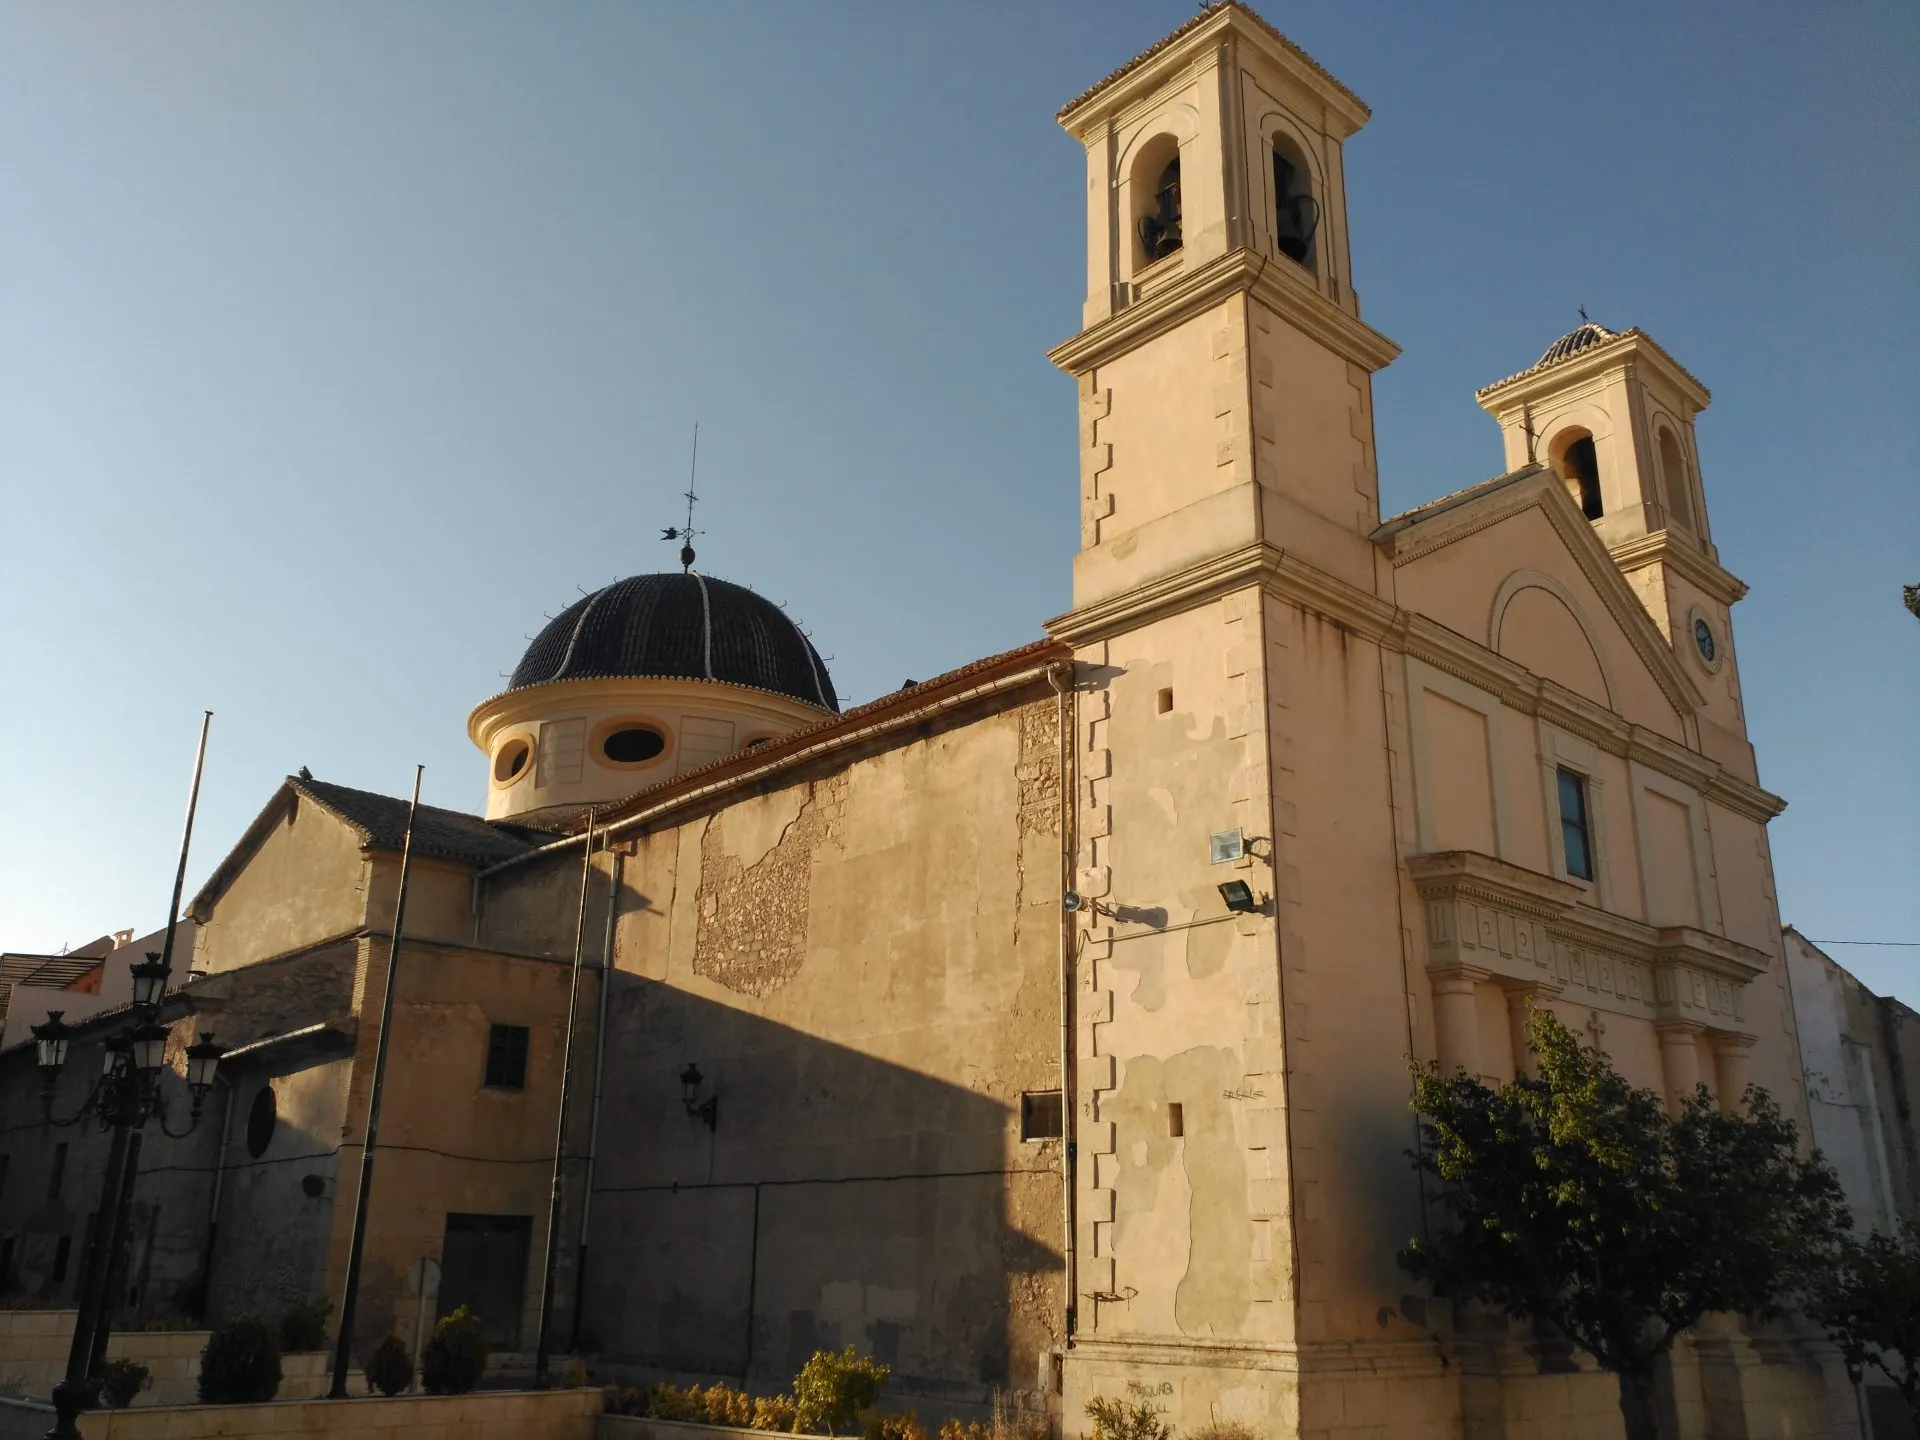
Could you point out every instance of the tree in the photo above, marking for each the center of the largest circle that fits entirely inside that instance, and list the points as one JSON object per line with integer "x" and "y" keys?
{"x": 1578, "y": 1201}
{"x": 1869, "y": 1300}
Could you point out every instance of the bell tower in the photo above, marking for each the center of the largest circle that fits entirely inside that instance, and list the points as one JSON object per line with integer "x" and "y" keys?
{"x": 1225, "y": 375}
{"x": 1236, "y": 931}
{"x": 1613, "y": 414}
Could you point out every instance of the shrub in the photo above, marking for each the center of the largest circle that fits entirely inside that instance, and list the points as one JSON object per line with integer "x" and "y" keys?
{"x": 1007, "y": 1424}
{"x": 623, "y": 1400}
{"x": 1222, "y": 1430}
{"x": 390, "y": 1367}
{"x": 166, "y": 1322}
{"x": 1118, "y": 1420}
{"x": 727, "y": 1406}
{"x": 575, "y": 1376}
{"x": 832, "y": 1389}
{"x": 891, "y": 1425}
{"x": 456, "y": 1357}
{"x": 120, "y": 1381}
{"x": 241, "y": 1364}
{"x": 304, "y": 1326}
{"x": 773, "y": 1412}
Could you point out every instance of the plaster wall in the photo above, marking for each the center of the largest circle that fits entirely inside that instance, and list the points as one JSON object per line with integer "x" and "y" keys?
{"x": 439, "y": 896}
{"x": 448, "y": 1145}
{"x": 307, "y": 881}
{"x": 863, "y": 963}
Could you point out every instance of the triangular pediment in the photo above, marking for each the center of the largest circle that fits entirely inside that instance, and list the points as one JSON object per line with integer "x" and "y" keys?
{"x": 1462, "y": 559}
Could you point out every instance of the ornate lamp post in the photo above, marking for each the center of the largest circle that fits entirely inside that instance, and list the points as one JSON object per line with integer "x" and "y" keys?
{"x": 126, "y": 1095}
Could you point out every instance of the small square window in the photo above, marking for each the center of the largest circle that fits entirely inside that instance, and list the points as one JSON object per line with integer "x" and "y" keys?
{"x": 1575, "y": 834}
{"x": 1165, "y": 701}
{"x": 507, "y": 1057}
{"x": 1040, "y": 1115}
{"x": 1176, "y": 1120}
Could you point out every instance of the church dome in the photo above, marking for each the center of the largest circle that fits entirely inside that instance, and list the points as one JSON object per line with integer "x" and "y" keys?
{"x": 684, "y": 626}
{"x": 1584, "y": 337}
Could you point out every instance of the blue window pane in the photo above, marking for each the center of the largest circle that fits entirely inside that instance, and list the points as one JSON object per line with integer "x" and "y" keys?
{"x": 1573, "y": 825}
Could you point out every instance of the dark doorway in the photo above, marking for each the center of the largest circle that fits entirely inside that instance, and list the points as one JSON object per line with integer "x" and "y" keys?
{"x": 483, "y": 1266}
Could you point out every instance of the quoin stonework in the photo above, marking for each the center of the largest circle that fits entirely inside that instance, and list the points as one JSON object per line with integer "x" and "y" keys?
{"x": 1043, "y": 1027}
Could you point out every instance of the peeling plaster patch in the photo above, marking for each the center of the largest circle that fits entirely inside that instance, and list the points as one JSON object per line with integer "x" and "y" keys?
{"x": 1207, "y": 945}
{"x": 1037, "y": 775}
{"x": 752, "y": 934}
{"x": 1208, "y": 1238}
{"x": 1163, "y": 797}
{"x": 1146, "y": 956}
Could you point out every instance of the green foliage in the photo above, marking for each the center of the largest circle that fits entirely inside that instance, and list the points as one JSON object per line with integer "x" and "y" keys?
{"x": 304, "y": 1326}
{"x": 1007, "y": 1424}
{"x": 166, "y": 1322}
{"x": 891, "y": 1425}
{"x": 453, "y": 1361}
{"x": 1222, "y": 1430}
{"x": 241, "y": 1364}
{"x": 774, "y": 1412}
{"x": 1137, "y": 1419}
{"x": 832, "y": 1389}
{"x": 1869, "y": 1300}
{"x": 390, "y": 1367}
{"x": 1577, "y": 1200}
{"x": 575, "y": 1376}
{"x": 120, "y": 1381}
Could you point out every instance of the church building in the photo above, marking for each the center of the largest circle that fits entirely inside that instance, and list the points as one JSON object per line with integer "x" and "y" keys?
{"x": 1044, "y": 1027}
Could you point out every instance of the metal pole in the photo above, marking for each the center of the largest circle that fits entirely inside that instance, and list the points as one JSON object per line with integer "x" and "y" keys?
{"x": 115, "y": 1281}
{"x": 614, "y": 870}
{"x": 186, "y": 839}
{"x": 343, "y": 1348}
{"x": 72, "y": 1395}
{"x": 543, "y": 1351}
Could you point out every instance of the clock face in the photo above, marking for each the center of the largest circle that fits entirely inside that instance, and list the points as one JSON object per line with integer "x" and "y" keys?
{"x": 1703, "y": 640}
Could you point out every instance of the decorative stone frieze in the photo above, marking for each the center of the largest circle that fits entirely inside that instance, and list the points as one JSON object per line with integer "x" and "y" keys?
{"x": 1493, "y": 920}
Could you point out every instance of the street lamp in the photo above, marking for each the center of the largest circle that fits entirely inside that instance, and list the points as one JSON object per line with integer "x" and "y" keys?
{"x": 124, "y": 1097}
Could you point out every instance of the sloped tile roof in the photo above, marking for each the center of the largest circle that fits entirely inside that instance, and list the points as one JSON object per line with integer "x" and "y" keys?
{"x": 381, "y": 821}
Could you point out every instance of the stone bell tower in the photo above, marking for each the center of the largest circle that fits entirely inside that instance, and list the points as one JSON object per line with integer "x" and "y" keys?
{"x": 1613, "y": 413}
{"x": 1238, "y": 941}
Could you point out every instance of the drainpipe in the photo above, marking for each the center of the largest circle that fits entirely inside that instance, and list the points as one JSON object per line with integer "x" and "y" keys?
{"x": 599, "y": 1074}
{"x": 1061, "y": 678}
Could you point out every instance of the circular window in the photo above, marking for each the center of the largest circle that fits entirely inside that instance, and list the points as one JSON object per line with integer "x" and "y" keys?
{"x": 632, "y": 744}
{"x": 512, "y": 760}
{"x": 1703, "y": 638}
{"x": 1706, "y": 639}
{"x": 261, "y": 1119}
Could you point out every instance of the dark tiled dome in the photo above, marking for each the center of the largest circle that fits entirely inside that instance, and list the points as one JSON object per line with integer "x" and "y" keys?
{"x": 683, "y": 627}
{"x": 1574, "y": 341}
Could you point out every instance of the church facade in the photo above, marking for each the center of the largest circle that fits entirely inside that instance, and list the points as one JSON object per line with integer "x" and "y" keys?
{"x": 1044, "y": 1027}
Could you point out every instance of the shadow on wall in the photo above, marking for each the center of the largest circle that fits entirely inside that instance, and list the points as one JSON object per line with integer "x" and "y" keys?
{"x": 839, "y": 1199}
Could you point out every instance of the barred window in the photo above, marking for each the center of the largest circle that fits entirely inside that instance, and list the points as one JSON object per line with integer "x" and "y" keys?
{"x": 507, "y": 1057}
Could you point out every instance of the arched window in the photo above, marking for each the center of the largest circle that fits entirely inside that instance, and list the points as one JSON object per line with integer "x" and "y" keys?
{"x": 1579, "y": 465}
{"x": 1296, "y": 211}
{"x": 1156, "y": 199}
{"x": 1673, "y": 471}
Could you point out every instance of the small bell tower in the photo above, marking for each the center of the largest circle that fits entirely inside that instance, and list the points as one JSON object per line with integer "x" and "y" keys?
{"x": 1613, "y": 414}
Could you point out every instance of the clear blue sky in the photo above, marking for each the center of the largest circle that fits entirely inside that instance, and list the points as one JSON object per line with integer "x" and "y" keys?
{"x": 341, "y": 343}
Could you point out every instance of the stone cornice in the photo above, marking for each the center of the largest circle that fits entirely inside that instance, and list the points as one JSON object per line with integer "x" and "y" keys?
{"x": 1492, "y": 920}
{"x": 1467, "y": 874}
{"x": 1683, "y": 557}
{"x": 1290, "y": 297}
{"x": 1287, "y": 577}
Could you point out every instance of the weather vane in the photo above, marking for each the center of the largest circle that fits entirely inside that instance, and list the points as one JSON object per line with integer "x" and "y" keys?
{"x": 685, "y": 533}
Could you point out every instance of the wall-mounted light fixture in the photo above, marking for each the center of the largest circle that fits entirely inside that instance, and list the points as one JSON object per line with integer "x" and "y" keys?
{"x": 691, "y": 1081}
{"x": 1240, "y": 897}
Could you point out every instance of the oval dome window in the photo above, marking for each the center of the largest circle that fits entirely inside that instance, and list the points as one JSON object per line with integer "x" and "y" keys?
{"x": 633, "y": 745}
{"x": 510, "y": 760}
